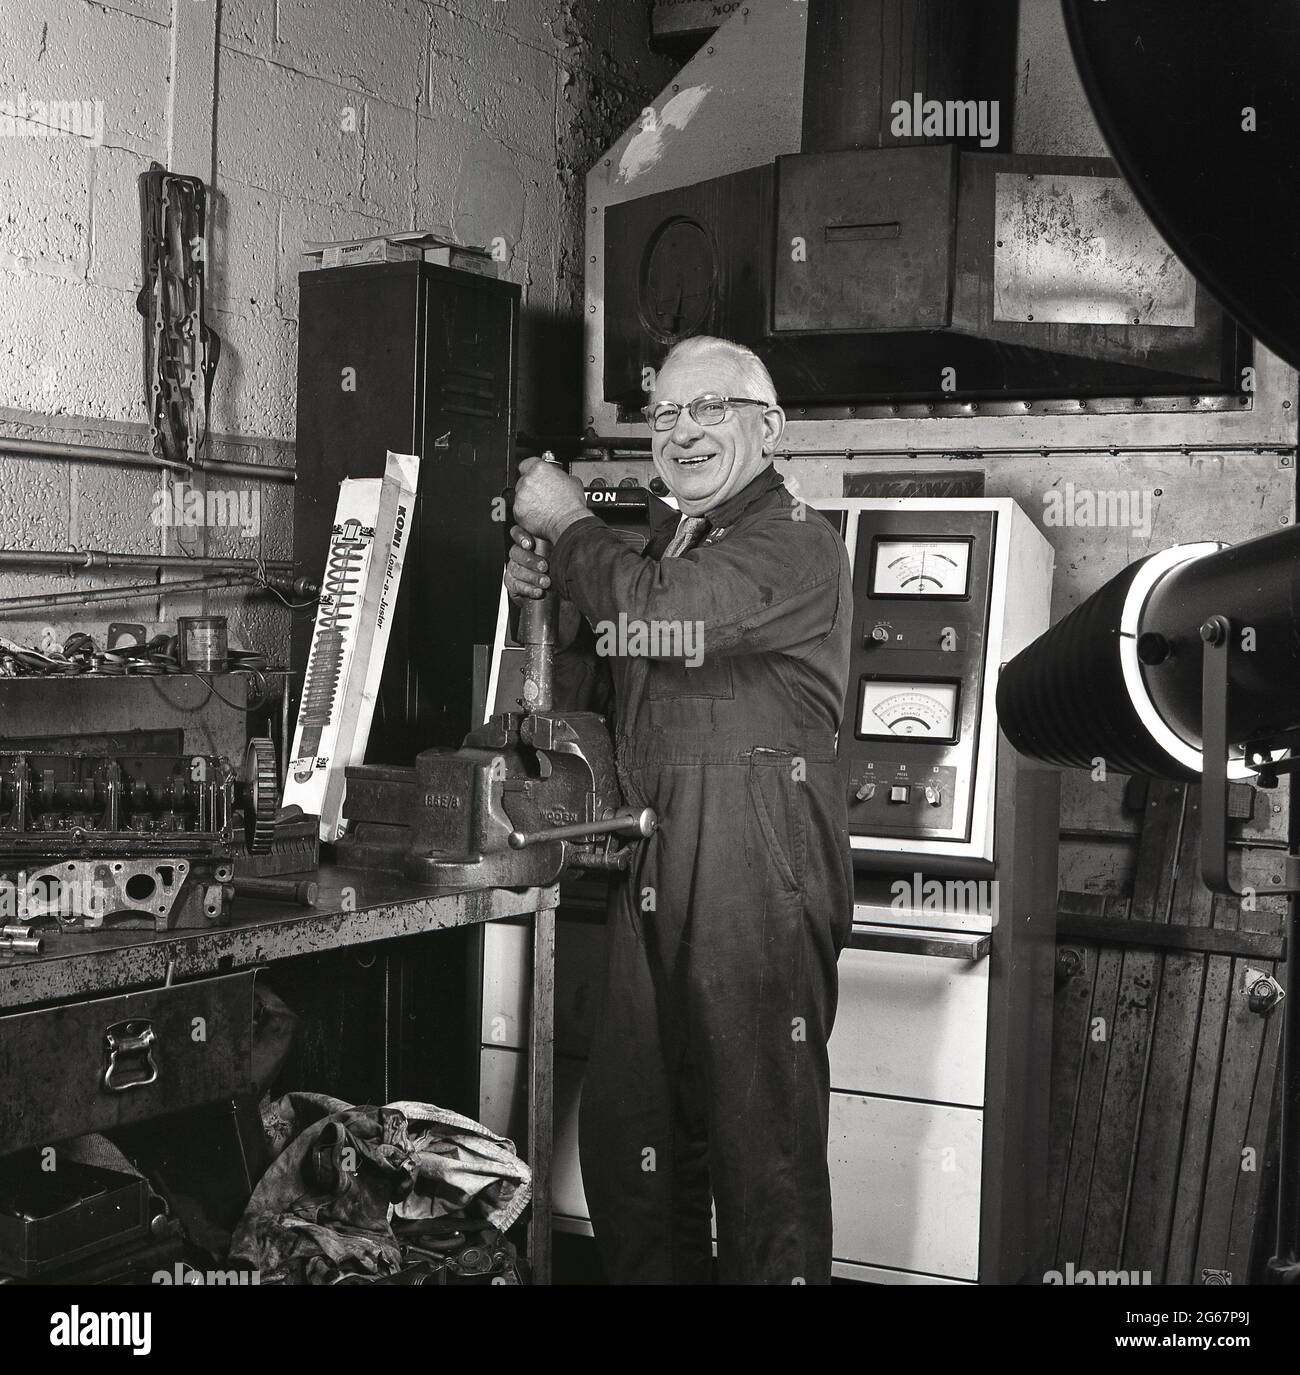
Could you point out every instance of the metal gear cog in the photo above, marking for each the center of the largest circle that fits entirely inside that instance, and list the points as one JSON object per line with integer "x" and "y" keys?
{"x": 261, "y": 795}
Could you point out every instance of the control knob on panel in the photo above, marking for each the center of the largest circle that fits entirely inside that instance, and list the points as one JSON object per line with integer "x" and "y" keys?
{"x": 933, "y": 794}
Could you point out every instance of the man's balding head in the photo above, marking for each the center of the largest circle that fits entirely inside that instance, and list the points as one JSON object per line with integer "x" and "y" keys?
{"x": 746, "y": 364}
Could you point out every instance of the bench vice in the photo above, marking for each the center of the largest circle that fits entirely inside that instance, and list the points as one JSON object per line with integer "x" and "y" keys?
{"x": 527, "y": 796}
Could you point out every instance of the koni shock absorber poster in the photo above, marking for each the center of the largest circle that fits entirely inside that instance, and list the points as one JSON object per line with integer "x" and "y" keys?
{"x": 359, "y": 586}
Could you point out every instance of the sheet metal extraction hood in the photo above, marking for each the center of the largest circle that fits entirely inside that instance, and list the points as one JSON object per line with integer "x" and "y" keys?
{"x": 903, "y": 253}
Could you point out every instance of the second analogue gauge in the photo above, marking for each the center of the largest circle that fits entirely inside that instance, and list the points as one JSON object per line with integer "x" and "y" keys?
{"x": 926, "y": 710}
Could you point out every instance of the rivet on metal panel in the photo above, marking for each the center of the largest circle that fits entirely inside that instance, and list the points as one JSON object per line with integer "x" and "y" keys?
{"x": 1286, "y": 520}
{"x": 676, "y": 87}
{"x": 709, "y": 51}
{"x": 1139, "y": 401}
{"x": 1286, "y": 462}
{"x": 1286, "y": 405}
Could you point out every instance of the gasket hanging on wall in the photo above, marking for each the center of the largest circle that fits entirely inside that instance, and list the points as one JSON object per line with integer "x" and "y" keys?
{"x": 180, "y": 349}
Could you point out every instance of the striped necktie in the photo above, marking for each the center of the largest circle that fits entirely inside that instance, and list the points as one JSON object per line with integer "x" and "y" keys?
{"x": 689, "y": 533}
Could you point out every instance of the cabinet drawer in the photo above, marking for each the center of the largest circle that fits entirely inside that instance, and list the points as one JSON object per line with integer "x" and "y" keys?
{"x": 91, "y": 1066}
{"x": 905, "y": 1185}
{"x": 911, "y": 1026}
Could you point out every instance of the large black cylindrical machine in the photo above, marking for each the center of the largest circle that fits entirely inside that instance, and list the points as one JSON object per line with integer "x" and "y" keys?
{"x": 1120, "y": 678}
{"x": 1186, "y": 666}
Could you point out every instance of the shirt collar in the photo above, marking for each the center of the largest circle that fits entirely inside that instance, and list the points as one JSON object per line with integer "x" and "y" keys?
{"x": 726, "y": 514}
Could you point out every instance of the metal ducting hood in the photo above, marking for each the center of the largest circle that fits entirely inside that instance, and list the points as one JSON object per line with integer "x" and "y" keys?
{"x": 904, "y": 253}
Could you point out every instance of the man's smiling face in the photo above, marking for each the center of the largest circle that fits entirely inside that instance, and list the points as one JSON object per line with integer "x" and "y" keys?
{"x": 703, "y": 465}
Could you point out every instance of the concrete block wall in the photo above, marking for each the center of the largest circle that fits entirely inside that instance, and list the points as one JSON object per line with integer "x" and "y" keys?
{"x": 309, "y": 119}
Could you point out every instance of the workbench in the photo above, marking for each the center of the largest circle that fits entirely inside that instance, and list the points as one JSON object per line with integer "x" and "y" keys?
{"x": 353, "y": 908}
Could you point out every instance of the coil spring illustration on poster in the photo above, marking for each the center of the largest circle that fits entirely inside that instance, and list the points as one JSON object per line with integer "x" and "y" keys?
{"x": 339, "y": 595}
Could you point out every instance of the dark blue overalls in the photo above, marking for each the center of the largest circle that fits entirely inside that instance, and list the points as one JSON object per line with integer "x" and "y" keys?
{"x": 708, "y": 1070}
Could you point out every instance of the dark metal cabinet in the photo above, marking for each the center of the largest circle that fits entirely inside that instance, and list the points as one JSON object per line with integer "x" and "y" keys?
{"x": 418, "y": 359}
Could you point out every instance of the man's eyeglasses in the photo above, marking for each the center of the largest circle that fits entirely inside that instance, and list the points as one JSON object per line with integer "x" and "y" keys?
{"x": 704, "y": 410}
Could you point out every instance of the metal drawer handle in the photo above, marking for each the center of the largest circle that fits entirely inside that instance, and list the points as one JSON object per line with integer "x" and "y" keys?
{"x": 895, "y": 940}
{"x": 129, "y": 1048}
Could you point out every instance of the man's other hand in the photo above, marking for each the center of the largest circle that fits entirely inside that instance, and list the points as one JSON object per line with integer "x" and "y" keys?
{"x": 547, "y": 499}
{"x": 526, "y": 579}
{"x": 526, "y": 570}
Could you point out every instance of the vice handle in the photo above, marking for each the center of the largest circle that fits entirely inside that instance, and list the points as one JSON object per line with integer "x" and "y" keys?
{"x": 627, "y": 821}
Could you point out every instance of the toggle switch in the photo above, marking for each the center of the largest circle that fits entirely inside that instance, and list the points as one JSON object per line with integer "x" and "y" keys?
{"x": 865, "y": 793}
{"x": 933, "y": 794}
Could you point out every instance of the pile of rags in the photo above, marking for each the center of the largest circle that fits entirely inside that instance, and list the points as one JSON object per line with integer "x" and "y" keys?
{"x": 324, "y": 1209}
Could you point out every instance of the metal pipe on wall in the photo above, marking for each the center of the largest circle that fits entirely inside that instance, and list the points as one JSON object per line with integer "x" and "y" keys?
{"x": 132, "y": 458}
{"x": 132, "y": 592}
{"x": 82, "y": 560}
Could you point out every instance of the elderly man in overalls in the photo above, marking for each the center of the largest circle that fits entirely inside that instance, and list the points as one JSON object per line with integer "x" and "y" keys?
{"x": 727, "y": 640}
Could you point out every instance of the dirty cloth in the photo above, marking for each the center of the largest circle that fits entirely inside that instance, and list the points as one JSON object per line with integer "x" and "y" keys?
{"x": 405, "y": 1160}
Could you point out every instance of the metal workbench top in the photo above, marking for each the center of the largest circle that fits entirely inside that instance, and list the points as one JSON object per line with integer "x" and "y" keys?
{"x": 354, "y": 907}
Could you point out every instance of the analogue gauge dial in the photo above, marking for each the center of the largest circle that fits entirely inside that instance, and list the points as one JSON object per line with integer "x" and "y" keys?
{"x": 927, "y": 711}
{"x": 921, "y": 568}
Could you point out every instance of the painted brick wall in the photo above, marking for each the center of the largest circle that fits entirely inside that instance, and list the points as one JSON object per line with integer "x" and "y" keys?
{"x": 331, "y": 118}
